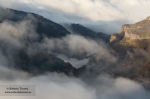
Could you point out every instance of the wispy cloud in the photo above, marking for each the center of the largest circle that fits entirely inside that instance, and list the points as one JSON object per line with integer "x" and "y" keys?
{"x": 87, "y": 12}
{"x": 59, "y": 86}
{"x": 75, "y": 45}
{"x": 93, "y": 9}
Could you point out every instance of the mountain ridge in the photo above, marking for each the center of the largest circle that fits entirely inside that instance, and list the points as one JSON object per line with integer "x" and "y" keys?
{"x": 43, "y": 26}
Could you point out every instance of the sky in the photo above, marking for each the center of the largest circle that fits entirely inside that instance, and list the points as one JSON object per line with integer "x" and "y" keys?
{"x": 99, "y": 15}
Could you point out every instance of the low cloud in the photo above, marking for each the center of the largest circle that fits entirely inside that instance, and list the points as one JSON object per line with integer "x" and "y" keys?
{"x": 73, "y": 61}
{"x": 75, "y": 45}
{"x": 59, "y": 86}
{"x": 14, "y": 33}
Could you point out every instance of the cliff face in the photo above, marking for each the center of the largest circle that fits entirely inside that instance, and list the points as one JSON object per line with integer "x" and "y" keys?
{"x": 133, "y": 34}
{"x": 148, "y": 18}
{"x": 140, "y": 30}
{"x": 132, "y": 46}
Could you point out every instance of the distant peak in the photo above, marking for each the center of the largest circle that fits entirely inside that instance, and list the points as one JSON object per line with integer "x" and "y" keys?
{"x": 148, "y": 18}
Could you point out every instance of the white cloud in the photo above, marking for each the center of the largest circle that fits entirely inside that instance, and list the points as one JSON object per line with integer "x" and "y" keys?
{"x": 13, "y": 33}
{"x": 79, "y": 46}
{"x": 104, "y": 13}
{"x": 93, "y": 9}
{"x": 59, "y": 86}
{"x": 73, "y": 61}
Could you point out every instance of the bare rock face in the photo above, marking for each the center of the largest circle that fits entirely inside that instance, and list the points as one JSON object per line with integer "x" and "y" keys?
{"x": 116, "y": 37}
{"x": 124, "y": 28}
{"x": 113, "y": 38}
{"x": 137, "y": 31}
{"x": 133, "y": 50}
{"x": 148, "y": 18}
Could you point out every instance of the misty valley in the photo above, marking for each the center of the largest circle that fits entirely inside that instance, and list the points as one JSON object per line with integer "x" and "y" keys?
{"x": 72, "y": 60}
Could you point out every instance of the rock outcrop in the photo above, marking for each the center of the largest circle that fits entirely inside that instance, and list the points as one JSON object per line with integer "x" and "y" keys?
{"x": 134, "y": 35}
{"x": 148, "y": 18}
{"x": 132, "y": 46}
{"x": 116, "y": 37}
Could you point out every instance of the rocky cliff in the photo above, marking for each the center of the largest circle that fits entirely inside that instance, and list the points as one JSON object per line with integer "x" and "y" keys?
{"x": 139, "y": 30}
{"x": 134, "y": 35}
{"x": 132, "y": 46}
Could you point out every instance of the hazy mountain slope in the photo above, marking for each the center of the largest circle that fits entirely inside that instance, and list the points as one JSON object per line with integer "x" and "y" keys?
{"x": 43, "y": 26}
{"x": 41, "y": 63}
{"x": 39, "y": 60}
{"x": 81, "y": 30}
{"x": 19, "y": 42}
{"x": 132, "y": 46}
